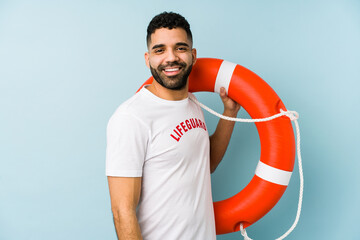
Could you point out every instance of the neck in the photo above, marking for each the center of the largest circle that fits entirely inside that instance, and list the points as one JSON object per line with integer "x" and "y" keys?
{"x": 168, "y": 94}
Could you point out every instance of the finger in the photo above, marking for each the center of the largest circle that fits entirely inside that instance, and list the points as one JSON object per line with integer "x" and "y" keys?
{"x": 222, "y": 92}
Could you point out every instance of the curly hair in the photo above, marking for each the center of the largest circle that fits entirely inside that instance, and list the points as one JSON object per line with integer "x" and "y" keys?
{"x": 168, "y": 20}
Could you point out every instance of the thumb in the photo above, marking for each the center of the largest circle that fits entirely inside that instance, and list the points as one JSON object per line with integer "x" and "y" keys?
{"x": 222, "y": 92}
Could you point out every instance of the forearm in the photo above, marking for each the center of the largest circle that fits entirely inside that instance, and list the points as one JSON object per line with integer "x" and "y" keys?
{"x": 126, "y": 225}
{"x": 219, "y": 141}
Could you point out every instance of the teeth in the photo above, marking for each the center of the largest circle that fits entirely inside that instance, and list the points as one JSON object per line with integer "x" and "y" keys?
{"x": 171, "y": 69}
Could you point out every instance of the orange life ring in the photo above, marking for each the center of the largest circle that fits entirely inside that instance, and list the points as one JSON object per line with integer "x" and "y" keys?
{"x": 277, "y": 140}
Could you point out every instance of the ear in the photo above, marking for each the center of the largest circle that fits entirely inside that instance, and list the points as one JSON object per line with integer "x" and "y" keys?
{"x": 146, "y": 55}
{"x": 193, "y": 53}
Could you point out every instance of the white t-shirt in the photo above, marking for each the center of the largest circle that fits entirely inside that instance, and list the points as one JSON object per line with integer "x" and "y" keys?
{"x": 167, "y": 144}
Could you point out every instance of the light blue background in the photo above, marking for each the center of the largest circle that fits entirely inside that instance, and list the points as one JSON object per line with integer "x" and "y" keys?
{"x": 66, "y": 65}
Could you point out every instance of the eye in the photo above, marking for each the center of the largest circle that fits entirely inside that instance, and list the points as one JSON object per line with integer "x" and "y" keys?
{"x": 158, "y": 50}
{"x": 182, "y": 49}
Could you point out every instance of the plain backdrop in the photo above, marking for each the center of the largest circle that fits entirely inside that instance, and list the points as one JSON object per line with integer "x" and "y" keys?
{"x": 65, "y": 66}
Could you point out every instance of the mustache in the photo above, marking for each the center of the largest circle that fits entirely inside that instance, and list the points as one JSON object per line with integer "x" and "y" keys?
{"x": 172, "y": 64}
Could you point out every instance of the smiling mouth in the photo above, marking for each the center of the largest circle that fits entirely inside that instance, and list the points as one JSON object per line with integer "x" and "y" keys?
{"x": 171, "y": 71}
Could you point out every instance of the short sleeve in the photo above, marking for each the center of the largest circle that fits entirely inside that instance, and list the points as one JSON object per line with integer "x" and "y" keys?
{"x": 127, "y": 139}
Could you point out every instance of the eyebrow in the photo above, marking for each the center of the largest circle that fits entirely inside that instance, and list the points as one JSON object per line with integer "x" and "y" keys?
{"x": 158, "y": 46}
{"x": 177, "y": 44}
{"x": 182, "y": 44}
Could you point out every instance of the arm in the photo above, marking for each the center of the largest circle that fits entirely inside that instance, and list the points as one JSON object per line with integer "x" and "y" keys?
{"x": 124, "y": 195}
{"x": 221, "y": 137}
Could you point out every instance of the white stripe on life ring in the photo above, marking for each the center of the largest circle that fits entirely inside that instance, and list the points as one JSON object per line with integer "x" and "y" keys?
{"x": 224, "y": 75}
{"x": 272, "y": 174}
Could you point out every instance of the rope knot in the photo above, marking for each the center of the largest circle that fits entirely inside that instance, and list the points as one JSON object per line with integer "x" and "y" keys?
{"x": 244, "y": 233}
{"x": 293, "y": 115}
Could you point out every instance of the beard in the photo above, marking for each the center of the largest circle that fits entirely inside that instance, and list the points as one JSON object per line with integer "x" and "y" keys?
{"x": 177, "y": 82}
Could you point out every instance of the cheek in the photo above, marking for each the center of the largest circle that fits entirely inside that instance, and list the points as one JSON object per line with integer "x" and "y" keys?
{"x": 154, "y": 62}
{"x": 190, "y": 59}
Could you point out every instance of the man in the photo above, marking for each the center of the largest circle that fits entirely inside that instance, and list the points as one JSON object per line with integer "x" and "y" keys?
{"x": 159, "y": 156}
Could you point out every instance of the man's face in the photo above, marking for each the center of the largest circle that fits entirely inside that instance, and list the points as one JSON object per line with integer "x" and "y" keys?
{"x": 170, "y": 57}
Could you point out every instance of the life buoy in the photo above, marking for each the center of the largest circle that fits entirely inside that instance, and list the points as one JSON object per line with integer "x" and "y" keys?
{"x": 277, "y": 140}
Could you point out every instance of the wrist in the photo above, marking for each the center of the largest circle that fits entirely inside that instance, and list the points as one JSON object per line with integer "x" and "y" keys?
{"x": 230, "y": 113}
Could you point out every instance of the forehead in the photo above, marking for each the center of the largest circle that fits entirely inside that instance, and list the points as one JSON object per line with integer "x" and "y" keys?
{"x": 167, "y": 36}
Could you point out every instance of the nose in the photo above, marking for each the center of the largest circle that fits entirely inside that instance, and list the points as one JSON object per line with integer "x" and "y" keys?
{"x": 171, "y": 56}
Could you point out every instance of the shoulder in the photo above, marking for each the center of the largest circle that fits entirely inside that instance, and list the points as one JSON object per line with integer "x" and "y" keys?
{"x": 129, "y": 111}
{"x": 132, "y": 104}
{"x": 193, "y": 101}
{"x": 192, "y": 96}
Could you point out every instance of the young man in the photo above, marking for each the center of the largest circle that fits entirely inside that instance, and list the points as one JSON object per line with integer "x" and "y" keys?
{"x": 159, "y": 156}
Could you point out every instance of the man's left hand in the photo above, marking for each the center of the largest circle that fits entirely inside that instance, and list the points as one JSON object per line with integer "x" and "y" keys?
{"x": 231, "y": 108}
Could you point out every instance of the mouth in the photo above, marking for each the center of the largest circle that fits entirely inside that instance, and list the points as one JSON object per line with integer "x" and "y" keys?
{"x": 172, "y": 71}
